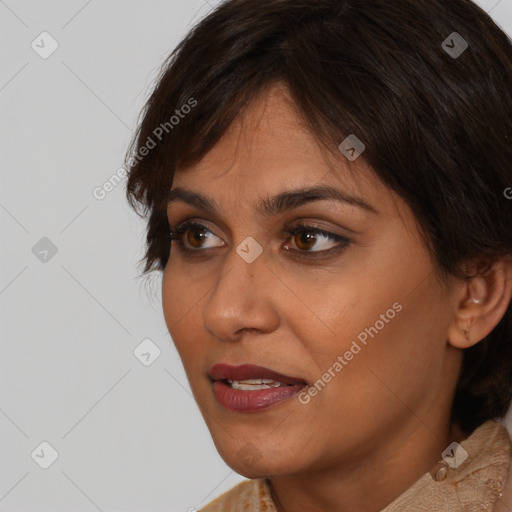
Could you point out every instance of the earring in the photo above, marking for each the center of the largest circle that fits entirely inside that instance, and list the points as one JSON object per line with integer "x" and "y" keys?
{"x": 465, "y": 332}
{"x": 476, "y": 301}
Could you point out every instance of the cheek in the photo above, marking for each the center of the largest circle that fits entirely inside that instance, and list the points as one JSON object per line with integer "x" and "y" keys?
{"x": 384, "y": 319}
{"x": 171, "y": 290}
{"x": 180, "y": 293}
{"x": 391, "y": 352}
{"x": 328, "y": 316}
{"x": 179, "y": 302}
{"x": 183, "y": 300}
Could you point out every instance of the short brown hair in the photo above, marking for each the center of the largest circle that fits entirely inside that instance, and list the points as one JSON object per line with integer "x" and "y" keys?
{"x": 437, "y": 126}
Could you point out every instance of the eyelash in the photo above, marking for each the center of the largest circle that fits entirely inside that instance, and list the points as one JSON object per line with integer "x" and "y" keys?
{"x": 344, "y": 242}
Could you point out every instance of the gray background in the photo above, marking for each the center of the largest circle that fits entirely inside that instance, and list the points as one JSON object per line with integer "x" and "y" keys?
{"x": 128, "y": 434}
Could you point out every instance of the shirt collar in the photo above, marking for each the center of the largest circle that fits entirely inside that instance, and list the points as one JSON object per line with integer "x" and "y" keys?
{"x": 469, "y": 476}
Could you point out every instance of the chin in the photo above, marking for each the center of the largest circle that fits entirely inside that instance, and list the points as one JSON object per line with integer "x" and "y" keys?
{"x": 259, "y": 470}
{"x": 259, "y": 461}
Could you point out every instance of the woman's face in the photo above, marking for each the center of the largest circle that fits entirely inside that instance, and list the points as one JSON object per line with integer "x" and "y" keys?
{"x": 362, "y": 315}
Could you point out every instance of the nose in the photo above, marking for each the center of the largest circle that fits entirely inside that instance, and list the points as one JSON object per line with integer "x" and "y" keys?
{"x": 242, "y": 299}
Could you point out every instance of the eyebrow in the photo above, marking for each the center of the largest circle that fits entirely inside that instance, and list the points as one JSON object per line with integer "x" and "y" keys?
{"x": 275, "y": 205}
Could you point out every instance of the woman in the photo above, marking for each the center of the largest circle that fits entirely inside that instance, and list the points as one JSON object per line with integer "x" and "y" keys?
{"x": 325, "y": 183}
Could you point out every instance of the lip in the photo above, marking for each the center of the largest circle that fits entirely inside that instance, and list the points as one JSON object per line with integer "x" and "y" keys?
{"x": 223, "y": 371}
{"x": 255, "y": 400}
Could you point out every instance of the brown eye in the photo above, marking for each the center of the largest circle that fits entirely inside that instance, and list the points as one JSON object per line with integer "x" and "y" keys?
{"x": 311, "y": 239}
{"x": 305, "y": 240}
{"x": 195, "y": 237}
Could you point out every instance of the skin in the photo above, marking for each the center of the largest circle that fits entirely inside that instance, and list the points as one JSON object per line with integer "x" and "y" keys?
{"x": 383, "y": 420}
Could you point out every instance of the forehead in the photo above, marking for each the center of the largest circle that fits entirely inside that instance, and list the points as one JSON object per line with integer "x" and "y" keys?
{"x": 269, "y": 149}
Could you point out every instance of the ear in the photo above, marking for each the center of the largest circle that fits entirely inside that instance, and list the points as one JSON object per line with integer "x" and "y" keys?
{"x": 481, "y": 302}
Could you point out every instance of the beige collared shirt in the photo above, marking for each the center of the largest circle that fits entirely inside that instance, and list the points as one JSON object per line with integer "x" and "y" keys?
{"x": 478, "y": 484}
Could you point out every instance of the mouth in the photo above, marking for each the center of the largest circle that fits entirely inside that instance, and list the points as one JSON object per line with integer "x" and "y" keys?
{"x": 249, "y": 388}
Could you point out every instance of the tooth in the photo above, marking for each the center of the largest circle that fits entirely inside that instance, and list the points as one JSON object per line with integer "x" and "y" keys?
{"x": 254, "y": 384}
{"x": 257, "y": 381}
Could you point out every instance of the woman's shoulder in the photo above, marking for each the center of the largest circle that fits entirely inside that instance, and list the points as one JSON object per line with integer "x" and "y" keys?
{"x": 253, "y": 495}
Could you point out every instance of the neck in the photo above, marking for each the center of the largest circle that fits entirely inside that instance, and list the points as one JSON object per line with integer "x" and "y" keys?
{"x": 371, "y": 482}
